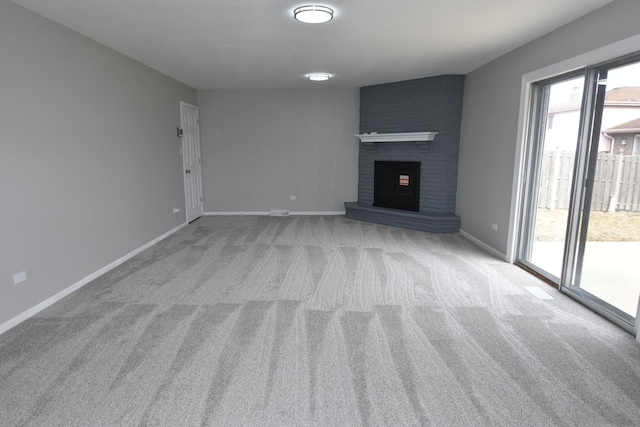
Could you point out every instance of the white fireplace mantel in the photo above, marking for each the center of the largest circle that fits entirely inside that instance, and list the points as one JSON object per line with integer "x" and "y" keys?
{"x": 418, "y": 137}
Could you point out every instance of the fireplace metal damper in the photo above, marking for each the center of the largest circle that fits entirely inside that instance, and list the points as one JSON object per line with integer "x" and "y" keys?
{"x": 397, "y": 185}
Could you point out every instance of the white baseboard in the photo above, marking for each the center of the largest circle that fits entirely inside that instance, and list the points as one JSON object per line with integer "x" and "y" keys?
{"x": 235, "y": 213}
{"x": 327, "y": 213}
{"x": 483, "y": 245}
{"x": 57, "y": 297}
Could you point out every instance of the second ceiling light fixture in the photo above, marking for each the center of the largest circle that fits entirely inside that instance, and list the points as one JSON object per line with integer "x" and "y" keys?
{"x": 314, "y": 14}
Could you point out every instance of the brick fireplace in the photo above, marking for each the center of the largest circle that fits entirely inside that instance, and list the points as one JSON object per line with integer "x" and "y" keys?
{"x": 430, "y": 105}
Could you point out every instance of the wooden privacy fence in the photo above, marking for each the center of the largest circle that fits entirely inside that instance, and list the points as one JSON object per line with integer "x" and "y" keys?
{"x": 616, "y": 185}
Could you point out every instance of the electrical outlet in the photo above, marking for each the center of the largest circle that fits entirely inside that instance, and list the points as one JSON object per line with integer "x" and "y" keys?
{"x": 279, "y": 212}
{"x": 292, "y": 197}
{"x": 19, "y": 277}
{"x": 176, "y": 210}
{"x": 494, "y": 227}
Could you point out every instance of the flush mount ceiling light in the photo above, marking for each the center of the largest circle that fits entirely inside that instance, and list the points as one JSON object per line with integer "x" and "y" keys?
{"x": 313, "y": 14}
{"x": 319, "y": 77}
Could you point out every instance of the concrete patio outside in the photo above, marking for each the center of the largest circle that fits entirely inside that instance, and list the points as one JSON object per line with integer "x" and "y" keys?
{"x": 611, "y": 270}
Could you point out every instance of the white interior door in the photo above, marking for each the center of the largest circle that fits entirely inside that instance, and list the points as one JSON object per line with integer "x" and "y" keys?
{"x": 191, "y": 160}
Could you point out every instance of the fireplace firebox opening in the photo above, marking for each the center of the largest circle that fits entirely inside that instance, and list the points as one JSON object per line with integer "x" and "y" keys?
{"x": 396, "y": 185}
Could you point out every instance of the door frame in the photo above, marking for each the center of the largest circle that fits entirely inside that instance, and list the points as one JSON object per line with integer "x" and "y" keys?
{"x": 540, "y": 93}
{"x": 572, "y": 280}
{"x": 603, "y": 54}
{"x": 518, "y": 191}
{"x": 182, "y": 150}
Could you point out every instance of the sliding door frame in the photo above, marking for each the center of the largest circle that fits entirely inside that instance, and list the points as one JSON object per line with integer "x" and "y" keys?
{"x": 580, "y": 186}
{"x": 606, "y": 56}
{"x": 540, "y": 93}
{"x": 597, "y": 86}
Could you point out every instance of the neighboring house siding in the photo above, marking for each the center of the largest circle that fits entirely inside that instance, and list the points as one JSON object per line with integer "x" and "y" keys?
{"x": 623, "y": 144}
{"x": 562, "y": 129}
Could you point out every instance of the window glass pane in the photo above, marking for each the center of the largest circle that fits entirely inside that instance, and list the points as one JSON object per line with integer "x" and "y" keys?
{"x": 556, "y": 158}
{"x": 612, "y": 249}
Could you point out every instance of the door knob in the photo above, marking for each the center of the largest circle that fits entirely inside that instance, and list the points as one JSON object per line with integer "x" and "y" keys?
{"x": 188, "y": 171}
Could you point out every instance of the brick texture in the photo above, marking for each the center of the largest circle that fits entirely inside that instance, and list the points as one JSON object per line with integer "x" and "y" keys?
{"x": 404, "y": 219}
{"x": 422, "y": 105}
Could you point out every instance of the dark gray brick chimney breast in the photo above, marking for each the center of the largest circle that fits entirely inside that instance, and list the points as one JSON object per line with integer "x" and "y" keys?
{"x": 431, "y": 104}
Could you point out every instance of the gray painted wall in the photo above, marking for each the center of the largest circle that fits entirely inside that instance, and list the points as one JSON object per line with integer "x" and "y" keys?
{"x": 261, "y": 146}
{"x": 490, "y": 115}
{"x": 90, "y": 166}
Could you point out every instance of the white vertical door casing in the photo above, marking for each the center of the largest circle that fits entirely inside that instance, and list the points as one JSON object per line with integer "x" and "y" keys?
{"x": 191, "y": 160}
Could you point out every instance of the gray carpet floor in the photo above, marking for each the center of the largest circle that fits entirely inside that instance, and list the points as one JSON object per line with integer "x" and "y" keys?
{"x": 259, "y": 321}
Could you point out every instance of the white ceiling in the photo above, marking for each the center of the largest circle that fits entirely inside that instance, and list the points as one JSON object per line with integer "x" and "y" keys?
{"x": 252, "y": 44}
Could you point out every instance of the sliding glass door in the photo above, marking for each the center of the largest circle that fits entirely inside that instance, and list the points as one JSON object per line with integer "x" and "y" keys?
{"x": 580, "y": 227}
{"x": 552, "y": 156}
{"x": 609, "y": 248}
